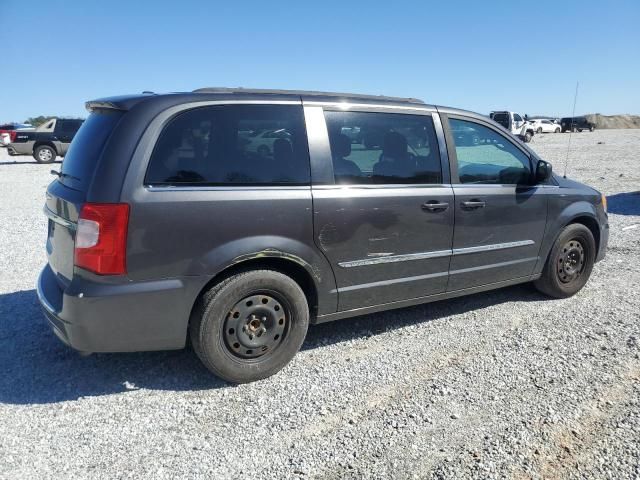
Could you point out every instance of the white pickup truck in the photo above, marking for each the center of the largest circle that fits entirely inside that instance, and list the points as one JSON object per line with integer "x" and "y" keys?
{"x": 515, "y": 123}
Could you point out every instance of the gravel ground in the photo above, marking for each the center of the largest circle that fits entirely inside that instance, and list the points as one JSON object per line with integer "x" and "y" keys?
{"x": 504, "y": 384}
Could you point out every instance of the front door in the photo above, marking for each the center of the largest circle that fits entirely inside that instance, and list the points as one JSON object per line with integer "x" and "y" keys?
{"x": 384, "y": 218}
{"x": 500, "y": 217}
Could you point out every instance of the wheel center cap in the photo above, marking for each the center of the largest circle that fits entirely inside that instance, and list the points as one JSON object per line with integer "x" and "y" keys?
{"x": 254, "y": 323}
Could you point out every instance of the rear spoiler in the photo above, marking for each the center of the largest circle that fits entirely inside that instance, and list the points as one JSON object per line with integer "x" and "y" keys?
{"x": 122, "y": 103}
{"x": 102, "y": 105}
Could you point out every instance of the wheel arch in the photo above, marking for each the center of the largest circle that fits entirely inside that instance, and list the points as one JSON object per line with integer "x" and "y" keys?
{"x": 299, "y": 273}
{"x": 307, "y": 268}
{"x": 47, "y": 143}
{"x": 591, "y": 223}
{"x": 580, "y": 212}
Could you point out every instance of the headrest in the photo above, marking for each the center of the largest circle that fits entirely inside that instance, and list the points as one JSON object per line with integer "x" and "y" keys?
{"x": 341, "y": 145}
{"x": 394, "y": 145}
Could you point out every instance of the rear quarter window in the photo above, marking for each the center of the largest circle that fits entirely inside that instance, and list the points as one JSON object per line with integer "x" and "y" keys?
{"x": 82, "y": 157}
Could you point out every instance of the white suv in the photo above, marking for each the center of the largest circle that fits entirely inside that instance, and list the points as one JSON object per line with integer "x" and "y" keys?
{"x": 544, "y": 126}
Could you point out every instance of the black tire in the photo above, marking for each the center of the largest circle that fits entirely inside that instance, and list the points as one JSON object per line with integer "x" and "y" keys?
{"x": 44, "y": 154}
{"x": 557, "y": 130}
{"x": 539, "y": 130}
{"x": 240, "y": 356}
{"x": 557, "y": 279}
{"x": 580, "y": 130}
{"x": 527, "y": 137}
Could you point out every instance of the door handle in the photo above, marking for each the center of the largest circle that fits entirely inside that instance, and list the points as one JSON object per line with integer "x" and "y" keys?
{"x": 473, "y": 204}
{"x": 435, "y": 206}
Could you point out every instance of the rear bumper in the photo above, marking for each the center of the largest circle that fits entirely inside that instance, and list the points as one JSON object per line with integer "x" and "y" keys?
{"x": 122, "y": 317}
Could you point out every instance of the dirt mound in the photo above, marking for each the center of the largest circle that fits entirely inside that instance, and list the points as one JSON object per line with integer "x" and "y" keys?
{"x": 614, "y": 121}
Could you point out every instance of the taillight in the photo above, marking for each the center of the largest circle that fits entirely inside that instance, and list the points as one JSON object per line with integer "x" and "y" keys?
{"x": 101, "y": 238}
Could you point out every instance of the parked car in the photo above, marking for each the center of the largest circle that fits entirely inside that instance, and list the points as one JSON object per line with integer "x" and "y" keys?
{"x": 8, "y": 131}
{"x": 163, "y": 226}
{"x": 576, "y": 124}
{"x": 49, "y": 140}
{"x": 544, "y": 126}
{"x": 354, "y": 134}
{"x": 514, "y": 123}
{"x": 262, "y": 142}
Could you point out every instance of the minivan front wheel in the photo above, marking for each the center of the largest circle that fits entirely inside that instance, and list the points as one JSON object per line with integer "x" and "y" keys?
{"x": 250, "y": 325}
{"x": 570, "y": 262}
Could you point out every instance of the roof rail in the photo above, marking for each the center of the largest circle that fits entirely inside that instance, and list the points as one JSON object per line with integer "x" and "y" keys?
{"x": 309, "y": 93}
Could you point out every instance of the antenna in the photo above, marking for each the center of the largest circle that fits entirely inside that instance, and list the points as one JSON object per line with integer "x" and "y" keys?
{"x": 573, "y": 116}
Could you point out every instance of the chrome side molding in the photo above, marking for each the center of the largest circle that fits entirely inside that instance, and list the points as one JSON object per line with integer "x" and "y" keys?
{"x": 495, "y": 246}
{"x": 395, "y": 258}
{"x": 434, "y": 254}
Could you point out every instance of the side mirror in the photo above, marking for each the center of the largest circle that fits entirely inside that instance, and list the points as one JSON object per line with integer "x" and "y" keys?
{"x": 543, "y": 171}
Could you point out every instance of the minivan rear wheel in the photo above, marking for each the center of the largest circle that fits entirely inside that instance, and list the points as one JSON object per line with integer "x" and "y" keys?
{"x": 569, "y": 264}
{"x": 44, "y": 154}
{"x": 250, "y": 325}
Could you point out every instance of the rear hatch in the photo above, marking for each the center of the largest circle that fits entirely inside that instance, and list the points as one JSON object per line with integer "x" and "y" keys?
{"x": 66, "y": 195}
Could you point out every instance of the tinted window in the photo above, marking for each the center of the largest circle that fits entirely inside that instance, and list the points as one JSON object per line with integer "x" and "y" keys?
{"x": 517, "y": 117}
{"x": 383, "y": 148}
{"x": 502, "y": 119}
{"x": 82, "y": 157}
{"x": 233, "y": 144}
{"x": 69, "y": 126}
{"x": 485, "y": 156}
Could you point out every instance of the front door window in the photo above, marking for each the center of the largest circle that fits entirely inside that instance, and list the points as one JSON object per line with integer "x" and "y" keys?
{"x": 485, "y": 156}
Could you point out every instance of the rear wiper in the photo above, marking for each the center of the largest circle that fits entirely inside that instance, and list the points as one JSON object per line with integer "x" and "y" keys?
{"x": 62, "y": 175}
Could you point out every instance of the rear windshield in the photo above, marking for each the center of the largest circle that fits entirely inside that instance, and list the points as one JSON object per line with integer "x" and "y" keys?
{"x": 85, "y": 149}
{"x": 502, "y": 119}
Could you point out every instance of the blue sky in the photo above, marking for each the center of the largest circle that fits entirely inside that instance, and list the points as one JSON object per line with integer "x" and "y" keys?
{"x": 520, "y": 55}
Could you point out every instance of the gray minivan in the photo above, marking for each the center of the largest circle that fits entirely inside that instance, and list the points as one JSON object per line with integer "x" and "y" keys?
{"x": 236, "y": 217}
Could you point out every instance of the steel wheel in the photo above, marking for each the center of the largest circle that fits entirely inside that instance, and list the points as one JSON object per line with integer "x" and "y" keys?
{"x": 255, "y": 326}
{"x": 571, "y": 261}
